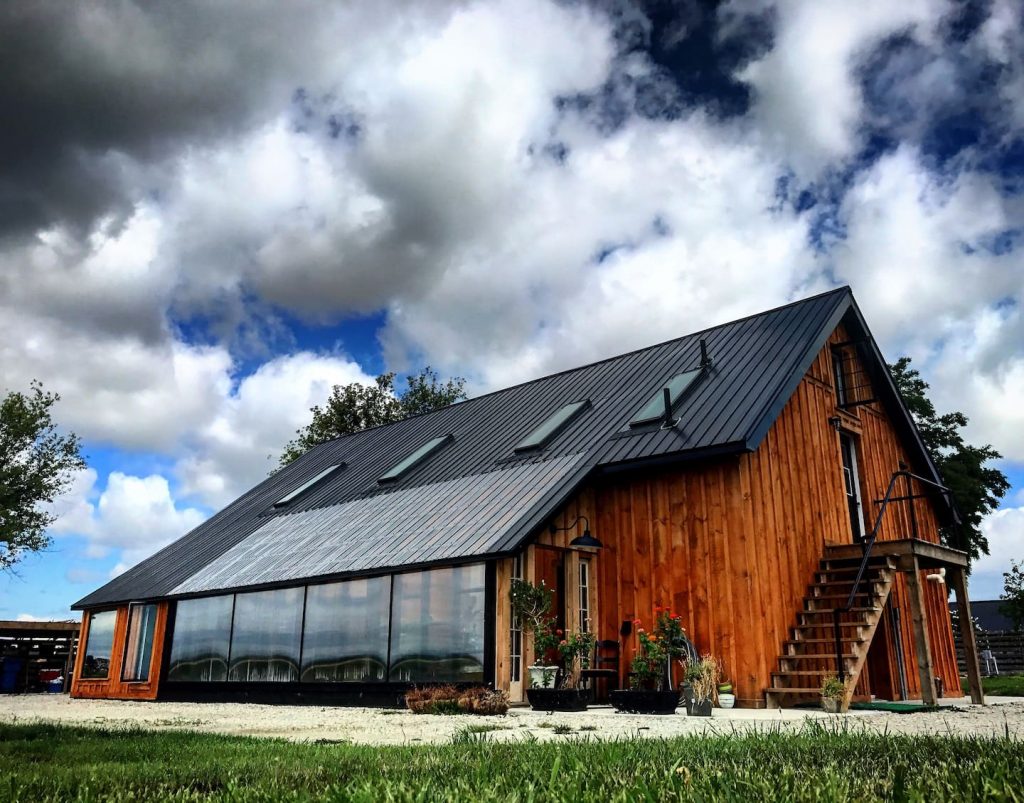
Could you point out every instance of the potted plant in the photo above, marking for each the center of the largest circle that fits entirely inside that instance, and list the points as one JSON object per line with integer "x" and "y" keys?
{"x": 650, "y": 690}
{"x": 552, "y": 687}
{"x": 726, "y": 698}
{"x": 703, "y": 676}
{"x": 531, "y": 607}
{"x": 832, "y": 692}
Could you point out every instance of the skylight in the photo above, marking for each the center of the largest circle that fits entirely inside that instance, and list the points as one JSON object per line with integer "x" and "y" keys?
{"x": 654, "y": 410}
{"x": 288, "y": 498}
{"x": 551, "y": 426}
{"x": 418, "y": 456}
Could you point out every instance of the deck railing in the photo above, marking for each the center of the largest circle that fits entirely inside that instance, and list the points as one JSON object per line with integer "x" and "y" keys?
{"x": 869, "y": 543}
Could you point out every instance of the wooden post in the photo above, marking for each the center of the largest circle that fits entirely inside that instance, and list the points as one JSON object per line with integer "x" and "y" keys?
{"x": 963, "y": 610}
{"x": 922, "y": 646}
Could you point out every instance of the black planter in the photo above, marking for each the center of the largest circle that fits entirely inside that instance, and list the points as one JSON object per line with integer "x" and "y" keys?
{"x": 644, "y": 701}
{"x": 696, "y": 709}
{"x": 557, "y": 699}
{"x": 686, "y": 696}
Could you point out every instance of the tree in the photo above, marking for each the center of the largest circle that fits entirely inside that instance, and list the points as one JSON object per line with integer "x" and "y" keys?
{"x": 37, "y": 463}
{"x": 977, "y": 487}
{"x": 1013, "y": 594}
{"x": 354, "y": 407}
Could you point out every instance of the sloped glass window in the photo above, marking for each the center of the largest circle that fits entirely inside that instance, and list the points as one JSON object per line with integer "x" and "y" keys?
{"x": 267, "y": 635}
{"x": 437, "y": 625}
{"x": 346, "y": 631}
{"x": 654, "y": 410}
{"x": 554, "y": 424}
{"x": 99, "y": 644}
{"x": 414, "y": 459}
{"x": 199, "y": 647}
{"x": 287, "y": 499}
{"x": 138, "y": 650}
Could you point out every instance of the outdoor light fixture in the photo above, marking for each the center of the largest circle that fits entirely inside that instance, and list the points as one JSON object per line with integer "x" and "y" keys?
{"x": 585, "y": 540}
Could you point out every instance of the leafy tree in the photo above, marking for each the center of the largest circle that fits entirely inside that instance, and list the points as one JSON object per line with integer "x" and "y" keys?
{"x": 977, "y": 487}
{"x": 1013, "y": 594}
{"x": 37, "y": 463}
{"x": 354, "y": 407}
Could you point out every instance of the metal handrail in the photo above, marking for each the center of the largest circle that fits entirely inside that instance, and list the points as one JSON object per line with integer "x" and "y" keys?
{"x": 869, "y": 543}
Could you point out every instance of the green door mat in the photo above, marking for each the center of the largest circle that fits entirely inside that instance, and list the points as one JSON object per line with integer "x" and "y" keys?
{"x": 896, "y": 708}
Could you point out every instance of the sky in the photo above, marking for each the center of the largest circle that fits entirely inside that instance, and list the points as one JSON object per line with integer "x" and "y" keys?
{"x": 210, "y": 213}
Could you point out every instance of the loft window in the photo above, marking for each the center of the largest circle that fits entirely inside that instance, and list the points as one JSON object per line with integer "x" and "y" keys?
{"x": 414, "y": 459}
{"x": 677, "y": 386}
{"x": 289, "y": 498}
{"x": 554, "y": 424}
{"x": 839, "y": 376}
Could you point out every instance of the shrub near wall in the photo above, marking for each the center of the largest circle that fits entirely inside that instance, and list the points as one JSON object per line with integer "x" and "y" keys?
{"x": 453, "y": 700}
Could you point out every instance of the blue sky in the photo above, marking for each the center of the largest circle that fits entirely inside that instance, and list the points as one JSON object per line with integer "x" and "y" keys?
{"x": 199, "y": 236}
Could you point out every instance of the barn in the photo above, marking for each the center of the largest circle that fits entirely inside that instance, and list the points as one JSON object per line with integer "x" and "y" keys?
{"x": 762, "y": 478}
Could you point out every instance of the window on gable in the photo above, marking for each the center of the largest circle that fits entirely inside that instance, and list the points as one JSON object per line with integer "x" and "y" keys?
{"x": 554, "y": 424}
{"x": 677, "y": 386}
{"x": 291, "y": 496}
{"x": 414, "y": 459}
{"x": 839, "y": 376}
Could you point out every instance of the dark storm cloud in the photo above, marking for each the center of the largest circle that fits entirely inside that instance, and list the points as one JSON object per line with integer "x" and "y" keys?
{"x": 94, "y": 93}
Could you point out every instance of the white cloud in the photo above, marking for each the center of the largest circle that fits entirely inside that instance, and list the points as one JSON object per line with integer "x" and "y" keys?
{"x": 808, "y": 101}
{"x": 1005, "y": 532}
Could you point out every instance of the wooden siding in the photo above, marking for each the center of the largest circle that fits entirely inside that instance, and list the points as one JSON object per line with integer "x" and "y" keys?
{"x": 733, "y": 544}
{"x": 113, "y": 687}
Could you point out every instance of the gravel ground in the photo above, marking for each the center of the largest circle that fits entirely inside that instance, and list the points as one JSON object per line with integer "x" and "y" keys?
{"x": 382, "y": 726}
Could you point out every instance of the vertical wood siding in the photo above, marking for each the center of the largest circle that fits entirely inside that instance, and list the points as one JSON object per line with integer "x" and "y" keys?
{"x": 733, "y": 544}
{"x": 112, "y": 687}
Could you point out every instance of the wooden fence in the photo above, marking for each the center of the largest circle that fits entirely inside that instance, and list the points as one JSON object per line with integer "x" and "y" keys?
{"x": 1007, "y": 648}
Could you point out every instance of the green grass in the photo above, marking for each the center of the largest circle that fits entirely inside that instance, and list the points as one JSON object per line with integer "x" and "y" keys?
{"x": 1000, "y": 686}
{"x": 52, "y": 763}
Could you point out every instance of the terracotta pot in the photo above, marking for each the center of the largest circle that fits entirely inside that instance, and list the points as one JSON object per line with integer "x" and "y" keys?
{"x": 557, "y": 699}
{"x": 644, "y": 701}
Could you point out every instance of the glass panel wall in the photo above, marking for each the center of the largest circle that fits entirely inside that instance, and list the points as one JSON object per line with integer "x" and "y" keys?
{"x": 267, "y": 635}
{"x": 202, "y": 630}
{"x": 432, "y": 622}
{"x": 346, "y": 631}
{"x": 99, "y": 644}
{"x": 138, "y": 650}
{"x": 437, "y": 625}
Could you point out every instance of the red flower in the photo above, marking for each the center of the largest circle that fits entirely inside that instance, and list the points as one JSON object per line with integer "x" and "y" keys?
{"x": 563, "y": 642}
{"x": 558, "y": 632}
{"x": 657, "y": 609}
{"x": 637, "y": 622}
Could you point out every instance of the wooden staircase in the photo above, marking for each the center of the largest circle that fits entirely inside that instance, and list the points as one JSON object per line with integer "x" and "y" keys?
{"x": 810, "y": 653}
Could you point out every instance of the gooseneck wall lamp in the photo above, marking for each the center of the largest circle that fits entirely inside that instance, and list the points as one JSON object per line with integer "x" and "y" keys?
{"x": 586, "y": 540}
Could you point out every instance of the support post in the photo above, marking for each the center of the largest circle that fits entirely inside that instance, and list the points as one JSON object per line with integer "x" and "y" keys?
{"x": 922, "y": 645}
{"x": 958, "y": 578}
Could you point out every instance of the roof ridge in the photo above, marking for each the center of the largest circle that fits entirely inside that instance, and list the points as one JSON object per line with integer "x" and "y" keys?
{"x": 623, "y": 355}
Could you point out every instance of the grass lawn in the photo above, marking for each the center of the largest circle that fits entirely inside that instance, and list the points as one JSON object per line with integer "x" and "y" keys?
{"x": 54, "y": 763}
{"x": 1001, "y": 686}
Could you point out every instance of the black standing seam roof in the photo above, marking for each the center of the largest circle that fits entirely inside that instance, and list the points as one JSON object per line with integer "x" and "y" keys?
{"x": 758, "y": 362}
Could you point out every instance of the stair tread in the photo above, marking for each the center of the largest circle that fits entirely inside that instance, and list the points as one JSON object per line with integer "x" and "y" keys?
{"x": 793, "y": 690}
{"x": 788, "y": 673}
{"x": 817, "y": 656}
{"x": 821, "y": 641}
{"x": 855, "y": 609}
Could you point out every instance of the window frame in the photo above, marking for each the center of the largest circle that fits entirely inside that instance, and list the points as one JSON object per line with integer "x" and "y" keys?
{"x": 84, "y": 646}
{"x": 132, "y": 607}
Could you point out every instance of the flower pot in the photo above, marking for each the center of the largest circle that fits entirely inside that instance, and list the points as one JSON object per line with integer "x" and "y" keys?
{"x": 726, "y": 700}
{"x": 701, "y": 709}
{"x": 644, "y": 701}
{"x": 830, "y": 705}
{"x": 557, "y": 699}
{"x": 542, "y": 677}
{"x": 686, "y": 695}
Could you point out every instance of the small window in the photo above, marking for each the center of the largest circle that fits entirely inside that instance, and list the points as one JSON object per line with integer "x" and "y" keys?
{"x": 839, "y": 376}
{"x": 285, "y": 500}
{"x": 415, "y": 458}
{"x": 138, "y": 651}
{"x": 554, "y": 424}
{"x": 99, "y": 644}
{"x": 654, "y": 410}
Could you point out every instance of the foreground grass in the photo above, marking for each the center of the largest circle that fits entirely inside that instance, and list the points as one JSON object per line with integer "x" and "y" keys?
{"x": 1001, "y": 685}
{"x": 42, "y": 762}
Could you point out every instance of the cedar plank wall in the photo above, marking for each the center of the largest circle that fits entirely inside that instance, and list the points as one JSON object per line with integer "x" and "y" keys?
{"x": 733, "y": 544}
{"x": 112, "y": 687}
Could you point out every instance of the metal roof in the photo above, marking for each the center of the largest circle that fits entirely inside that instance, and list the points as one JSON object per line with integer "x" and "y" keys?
{"x": 757, "y": 363}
